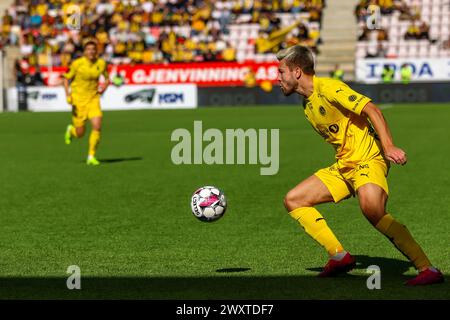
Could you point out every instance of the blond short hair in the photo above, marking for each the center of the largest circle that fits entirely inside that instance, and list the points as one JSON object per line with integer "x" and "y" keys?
{"x": 298, "y": 56}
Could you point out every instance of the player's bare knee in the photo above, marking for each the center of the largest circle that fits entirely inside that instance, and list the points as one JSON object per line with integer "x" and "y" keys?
{"x": 372, "y": 211}
{"x": 295, "y": 199}
{"x": 288, "y": 201}
{"x": 80, "y": 131}
{"x": 97, "y": 124}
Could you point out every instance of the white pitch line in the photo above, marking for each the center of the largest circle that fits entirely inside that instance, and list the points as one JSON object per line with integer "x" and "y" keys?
{"x": 386, "y": 106}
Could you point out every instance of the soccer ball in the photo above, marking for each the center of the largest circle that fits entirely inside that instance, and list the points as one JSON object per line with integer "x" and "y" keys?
{"x": 208, "y": 204}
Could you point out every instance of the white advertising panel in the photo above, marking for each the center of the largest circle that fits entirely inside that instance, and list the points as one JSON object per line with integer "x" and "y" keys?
{"x": 370, "y": 70}
{"x": 129, "y": 97}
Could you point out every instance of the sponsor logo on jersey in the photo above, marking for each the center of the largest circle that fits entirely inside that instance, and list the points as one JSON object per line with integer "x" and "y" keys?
{"x": 357, "y": 103}
{"x": 334, "y": 128}
{"x": 363, "y": 166}
{"x": 365, "y": 174}
{"x": 322, "y": 110}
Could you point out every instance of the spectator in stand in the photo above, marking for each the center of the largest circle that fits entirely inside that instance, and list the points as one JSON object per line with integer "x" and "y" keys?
{"x": 413, "y": 32}
{"x": 229, "y": 53}
{"x": 361, "y": 10}
{"x": 275, "y": 22}
{"x": 6, "y": 26}
{"x": 237, "y": 8}
{"x": 386, "y": 6}
{"x": 36, "y": 77}
{"x": 424, "y": 31}
{"x": 297, "y": 6}
{"x": 405, "y": 13}
{"x": 209, "y": 56}
{"x": 303, "y": 33}
{"x": 132, "y": 31}
{"x": 382, "y": 35}
{"x": 260, "y": 42}
{"x": 265, "y": 23}
{"x": 315, "y": 11}
{"x": 247, "y": 6}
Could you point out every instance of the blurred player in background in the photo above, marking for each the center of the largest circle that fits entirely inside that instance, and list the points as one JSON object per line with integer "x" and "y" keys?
{"x": 406, "y": 73}
{"x": 337, "y": 73}
{"x": 388, "y": 74}
{"x": 344, "y": 118}
{"x": 83, "y": 94}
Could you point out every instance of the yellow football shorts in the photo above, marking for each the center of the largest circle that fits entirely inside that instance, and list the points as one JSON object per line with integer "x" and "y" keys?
{"x": 85, "y": 110}
{"x": 343, "y": 182}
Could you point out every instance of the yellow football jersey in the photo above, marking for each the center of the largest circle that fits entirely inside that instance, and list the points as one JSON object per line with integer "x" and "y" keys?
{"x": 334, "y": 111}
{"x": 85, "y": 76}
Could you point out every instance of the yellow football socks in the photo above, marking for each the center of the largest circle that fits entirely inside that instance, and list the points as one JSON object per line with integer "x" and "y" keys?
{"x": 399, "y": 235}
{"x": 94, "y": 140}
{"x": 315, "y": 225}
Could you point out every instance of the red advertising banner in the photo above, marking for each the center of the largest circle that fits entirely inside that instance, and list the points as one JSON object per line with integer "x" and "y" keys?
{"x": 205, "y": 74}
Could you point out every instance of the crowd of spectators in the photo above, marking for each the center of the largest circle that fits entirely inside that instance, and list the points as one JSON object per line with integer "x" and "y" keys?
{"x": 50, "y": 32}
{"x": 365, "y": 8}
{"x": 366, "y": 12}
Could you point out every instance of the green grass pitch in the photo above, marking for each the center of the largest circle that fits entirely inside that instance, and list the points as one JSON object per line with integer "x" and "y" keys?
{"x": 127, "y": 223}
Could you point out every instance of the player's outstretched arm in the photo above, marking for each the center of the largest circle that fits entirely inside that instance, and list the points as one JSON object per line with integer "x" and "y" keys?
{"x": 377, "y": 119}
{"x": 67, "y": 90}
{"x": 105, "y": 85}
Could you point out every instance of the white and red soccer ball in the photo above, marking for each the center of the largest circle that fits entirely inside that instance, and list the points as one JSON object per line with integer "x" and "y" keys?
{"x": 208, "y": 203}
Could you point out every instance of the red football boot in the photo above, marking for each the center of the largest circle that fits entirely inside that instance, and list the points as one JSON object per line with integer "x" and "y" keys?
{"x": 426, "y": 277}
{"x": 334, "y": 267}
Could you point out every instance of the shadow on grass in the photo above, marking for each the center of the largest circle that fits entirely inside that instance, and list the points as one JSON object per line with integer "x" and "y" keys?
{"x": 231, "y": 284}
{"x": 388, "y": 266}
{"x": 231, "y": 270}
{"x": 114, "y": 160}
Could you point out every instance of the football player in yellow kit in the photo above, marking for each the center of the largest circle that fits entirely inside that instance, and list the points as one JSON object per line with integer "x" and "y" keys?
{"x": 357, "y": 130}
{"x": 84, "y": 93}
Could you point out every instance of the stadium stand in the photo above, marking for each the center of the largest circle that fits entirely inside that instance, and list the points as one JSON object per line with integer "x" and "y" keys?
{"x": 144, "y": 31}
{"x": 338, "y": 35}
{"x": 405, "y": 29}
